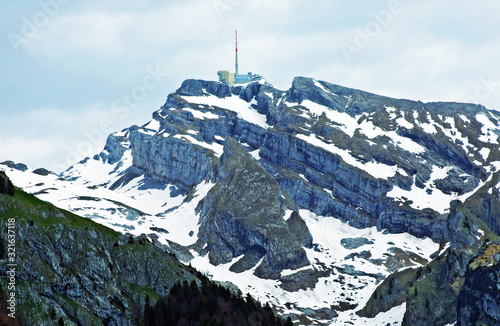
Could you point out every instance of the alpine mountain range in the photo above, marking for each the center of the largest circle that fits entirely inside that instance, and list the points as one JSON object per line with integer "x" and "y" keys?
{"x": 329, "y": 205}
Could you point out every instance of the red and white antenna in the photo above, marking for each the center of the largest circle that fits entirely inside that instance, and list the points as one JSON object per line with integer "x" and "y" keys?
{"x": 236, "y": 58}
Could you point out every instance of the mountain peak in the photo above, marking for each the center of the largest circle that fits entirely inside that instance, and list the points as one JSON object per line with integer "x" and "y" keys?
{"x": 198, "y": 87}
{"x": 264, "y": 187}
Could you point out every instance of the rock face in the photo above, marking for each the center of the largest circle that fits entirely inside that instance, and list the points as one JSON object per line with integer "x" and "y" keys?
{"x": 193, "y": 87}
{"x": 176, "y": 160}
{"x": 442, "y": 291}
{"x": 479, "y": 299}
{"x": 77, "y": 272}
{"x": 289, "y": 156}
{"x": 335, "y": 151}
{"x": 243, "y": 213}
{"x": 434, "y": 296}
{"x": 428, "y": 169}
{"x": 486, "y": 203}
{"x": 392, "y": 292}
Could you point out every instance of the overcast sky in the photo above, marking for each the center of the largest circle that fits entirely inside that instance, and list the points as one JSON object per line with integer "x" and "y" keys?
{"x": 74, "y": 71}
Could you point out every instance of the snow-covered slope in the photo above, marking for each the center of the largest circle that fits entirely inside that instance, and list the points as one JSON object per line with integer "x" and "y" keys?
{"x": 351, "y": 261}
{"x": 357, "y": 183}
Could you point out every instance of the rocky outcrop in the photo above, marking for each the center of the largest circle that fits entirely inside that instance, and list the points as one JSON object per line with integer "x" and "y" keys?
{"x": 479, "y": 299}
{"x": 486, "y": 203}
{"x": 432, "y": 293}
{"x": 116, "y": 145}
{"x": 398, "y": 218}
{"x": 197, "y": 87}
{"x": 171, "y": 160}
{"x": 433, "y": 298}
{"x": 243, "y": 215}
{"x": 354, "y": 243}
{"x": 392, "y": 292}
{"x": 42, "y": 171}
{"x": 13, "y": 165}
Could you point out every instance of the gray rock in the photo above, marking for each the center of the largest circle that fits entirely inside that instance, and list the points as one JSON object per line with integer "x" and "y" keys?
{"x": 196, "y": 87}
{"x": 245, "y": 209}
{"x": 39, "y": 171}
{"x": 115, "y": 148}
{"x": 301, "y": 280}
{"x": 17, "y": 166}
{"x": 299, "y": 230}
{"x": 354, "y": 243}
{"x": 251, "y": 257}
{"x": 485, "y": 203}
{"x": 479, "y": 299}
{"x": 365, "y": 254}
{"x": 171, "y": 160}
{"x": 351, "y": 270}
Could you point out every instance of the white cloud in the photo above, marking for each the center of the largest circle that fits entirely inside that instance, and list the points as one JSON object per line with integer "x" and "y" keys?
{"x": 56, "y": 139}
{"x": 94, "y": 52}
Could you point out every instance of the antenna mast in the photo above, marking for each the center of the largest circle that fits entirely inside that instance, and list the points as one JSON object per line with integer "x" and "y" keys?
{"x": 236, "y": 58}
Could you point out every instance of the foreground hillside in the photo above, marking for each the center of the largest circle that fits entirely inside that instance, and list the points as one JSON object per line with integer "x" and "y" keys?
{"x": 335, "y": 205}
{"x": 72, "y": 271}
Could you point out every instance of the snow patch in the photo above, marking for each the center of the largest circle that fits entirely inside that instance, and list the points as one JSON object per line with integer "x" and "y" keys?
{"x": 404, "y": 123}
{"x": 488, "y": 129}
{"x": 377, "y": 170}
{"x": 347, "y": 122}
{"x": 392, "y": 111}
{"x": 320, "y": 86}
{"x": 153, "y": 125}
{"x": 255, "y": 154}
{"x": 201, "y": 115}
{"x": 232, "y": 103}
{"x": 287, "y": 272}
{"x": 485, "y": 152}
{"x": 419, "y": 198}
{"x": 215, "y": 147}
{"x": 288, "y": 214}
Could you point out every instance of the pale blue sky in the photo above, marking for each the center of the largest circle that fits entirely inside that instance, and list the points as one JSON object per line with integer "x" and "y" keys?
{"x": 72, "y": 72}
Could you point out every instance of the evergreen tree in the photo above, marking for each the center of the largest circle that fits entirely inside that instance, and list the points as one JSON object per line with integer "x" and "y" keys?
{"x": 148, "y": 312}
{"x": 160, "y": 312}
{"x": 175, "y": 289}
{"x": 193, "y": 287}
{"x": 6, "y": 186}
{"x": 250, "y": 300}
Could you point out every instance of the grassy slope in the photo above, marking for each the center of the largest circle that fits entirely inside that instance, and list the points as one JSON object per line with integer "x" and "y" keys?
{"x": 54, "y": 247}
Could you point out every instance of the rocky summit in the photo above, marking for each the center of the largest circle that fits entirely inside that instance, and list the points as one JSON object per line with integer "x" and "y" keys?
{"x": 333, "y": 205}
